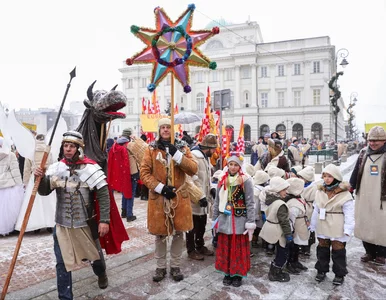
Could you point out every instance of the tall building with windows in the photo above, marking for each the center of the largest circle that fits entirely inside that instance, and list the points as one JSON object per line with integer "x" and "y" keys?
{"x": 277, "y": 86}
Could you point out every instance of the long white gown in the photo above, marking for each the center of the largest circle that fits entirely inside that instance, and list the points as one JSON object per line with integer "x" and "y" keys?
{"x": 43, "y": 210}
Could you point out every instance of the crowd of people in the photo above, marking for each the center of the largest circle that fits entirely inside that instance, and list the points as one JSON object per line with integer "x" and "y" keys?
{"x": 274, "y": 199}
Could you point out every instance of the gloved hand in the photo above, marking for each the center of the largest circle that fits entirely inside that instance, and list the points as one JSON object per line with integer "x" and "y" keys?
{"x": 168, "y": 192}
{"x": 172, "y": 148}
{"x": 203, "y": 202}
{"x": 311, "y": 240}
{"x": 289, "y": 239}
{"x": 250, "y": 233}
{"x": 213, "y": 193}
{"x": 263, "y": 217}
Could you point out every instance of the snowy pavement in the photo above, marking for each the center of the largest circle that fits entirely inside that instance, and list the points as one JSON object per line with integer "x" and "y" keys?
{"x": 130, "y": 272}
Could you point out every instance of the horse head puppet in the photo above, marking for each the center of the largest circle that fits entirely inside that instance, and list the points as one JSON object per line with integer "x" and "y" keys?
{"x": 101, "y": 107}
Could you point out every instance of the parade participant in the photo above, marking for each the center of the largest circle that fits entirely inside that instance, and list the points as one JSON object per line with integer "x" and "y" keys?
{"x": 299, "y": 221}
{"x": 76, "y": 232}
{"x": 255, "y": 151}
{"x": 333, "y": 221}
{"x": 169, "y": 208}
{"x": 43, "y": 211}
{"x": 305, "y": 149}
{"x": 263, "y": 146}
{"x": 294, "y": 154}
{"x": 234, "y": 221}
{"x": 128, "y": 203}
{"x": 11, "y": 189}
{"x": 277, "y": 228}
{"x": 369, "y": 181}
{"x": 310, "y": 188}
{"x": 260, "y": 180}
{"x": 273, "y": 157}
{"x": 195, "y": 244}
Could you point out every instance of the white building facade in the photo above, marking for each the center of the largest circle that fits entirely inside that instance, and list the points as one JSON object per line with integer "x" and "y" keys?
{"x": 279, "y": 86}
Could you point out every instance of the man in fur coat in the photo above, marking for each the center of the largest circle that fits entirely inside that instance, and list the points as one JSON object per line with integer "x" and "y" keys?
{"x": 169, "y": 208}
{"x": 273, "y": 157}
{"x": 369, "y": 181}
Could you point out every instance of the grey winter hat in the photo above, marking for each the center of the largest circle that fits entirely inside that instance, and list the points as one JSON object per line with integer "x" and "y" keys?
{"x": 127, "y": 132}
{"x": 334, "y": 171}
{"x": 308, "y": 173}
{"x": 296, "y": 186}
{"x": 377, "y": 133}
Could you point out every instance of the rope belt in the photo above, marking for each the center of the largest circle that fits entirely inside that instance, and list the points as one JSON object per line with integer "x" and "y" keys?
{"x": 272, "y": 222}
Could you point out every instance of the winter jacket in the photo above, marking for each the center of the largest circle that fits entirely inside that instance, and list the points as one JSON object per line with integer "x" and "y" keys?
{"x": 9, "y": 170}
{"x": 225, "y": 221}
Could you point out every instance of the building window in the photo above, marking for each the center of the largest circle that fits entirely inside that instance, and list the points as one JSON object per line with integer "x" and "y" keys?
{"x": 297, "y": 130}
{"x": 130, "y": 105}
{"x": 143, "y": 82}
{"x": 264, "y": 129}
{"x": 296, "y": 69}
{"x": 280, "y": 70}
{"x": 264, "y": 72}
{"x": 247, "y": 132}
{"x": 280, "y": 99}
{"x": 199, "y": 76}
{"x": 200, "y": 102}
{"x": 214, "y": 74}
{"x": 316, "y": 66}
{"x": 317, "y": 131}
{"x": 246, "y": 99}
{"x": 297, "y": 98}
{"x": 264, "y": 99}
{"x": 229, "y": 74}
{"x": 316, "y": 96}
{"x": 245, "y": 72}
{"x": 129, "y": 83}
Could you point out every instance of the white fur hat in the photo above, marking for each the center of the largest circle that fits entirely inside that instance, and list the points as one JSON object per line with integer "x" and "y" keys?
{"x": 308, "y": 173}
{"x": 278, "y": 184}
{"x": 249, "y": 169}
{"x": 164, "y": 121}
{"x": 377, "y": 133}
{"x": 334, "y": 171}
{"x": 260, "y": 177}
{"x": 296, "y": 186}
{"x": 296, "y": 169}
{"x": 275, "y": 172}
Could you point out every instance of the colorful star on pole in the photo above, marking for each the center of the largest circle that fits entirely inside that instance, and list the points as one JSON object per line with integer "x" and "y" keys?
{"x": 172, "y": 47}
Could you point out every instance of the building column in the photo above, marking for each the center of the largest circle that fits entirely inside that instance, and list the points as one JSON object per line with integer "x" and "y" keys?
{"x": 236, "y": 95}
{"x": 254, "y": 85}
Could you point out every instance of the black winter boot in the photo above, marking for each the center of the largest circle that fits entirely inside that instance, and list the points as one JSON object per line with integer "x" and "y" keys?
{"x": 103, "y": 281}
{"x": 276, "y": 274}
{"x": 176, "y": 274}
{"x": 291, "y": 268}
{"x": 123, "y": 213}
{"x": 160, "y": 274}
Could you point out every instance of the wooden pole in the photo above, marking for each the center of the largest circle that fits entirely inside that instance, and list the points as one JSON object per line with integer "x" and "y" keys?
{"x": 172, "y": 124}
{"x": 33, "y": 195}
{"x": 107, "y": 134}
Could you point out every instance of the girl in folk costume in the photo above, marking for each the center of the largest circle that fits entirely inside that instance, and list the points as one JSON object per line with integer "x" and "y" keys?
{"x": 277, "y": 228}
{"x": 300, "y": 223}
{"x": 260, "y": 180}
{"x": 233, "y": 218}
{"x": 333, "y": 220}
{"x": 310, "y": 186}
{"x": 11, "y": 189}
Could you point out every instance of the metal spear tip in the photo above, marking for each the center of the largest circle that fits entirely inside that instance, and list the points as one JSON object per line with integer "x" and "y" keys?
{"x": 73, "y": 73}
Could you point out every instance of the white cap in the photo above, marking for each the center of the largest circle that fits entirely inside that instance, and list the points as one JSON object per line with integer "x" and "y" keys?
{"x": 308, "y": 173}
{"x": 334, "y": 171}
{"x": 260, "y": 177}
{"x": 278, "y": 184}
{"x": 275, "y": 172}
{"x": 296, "y": 186}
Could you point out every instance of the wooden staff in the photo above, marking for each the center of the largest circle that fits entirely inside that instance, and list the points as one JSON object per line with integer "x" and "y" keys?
{"x": 172, "y": 124}
{"x": 33, "y": 195}
{"x": 107, "y": 134}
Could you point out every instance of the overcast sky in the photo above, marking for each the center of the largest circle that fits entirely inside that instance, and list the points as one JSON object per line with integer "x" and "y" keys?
{"x": 41, "y": 42}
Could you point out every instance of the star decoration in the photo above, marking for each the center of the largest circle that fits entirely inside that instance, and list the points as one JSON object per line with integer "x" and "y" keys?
{"x": 172, "y": 47}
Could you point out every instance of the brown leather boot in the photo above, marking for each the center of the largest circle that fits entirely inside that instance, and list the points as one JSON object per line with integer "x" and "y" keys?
{"x": 367, "y": 257}
{"x": 195, "y": 255}
{"x": 159, "y": 274}
{"x": 205, "y": 251}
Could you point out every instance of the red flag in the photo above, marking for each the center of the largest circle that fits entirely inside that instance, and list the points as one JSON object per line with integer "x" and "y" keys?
{"x": 205, "y": 125}
{"x": 240, "y": 140}
{"x": 143, "y": 105}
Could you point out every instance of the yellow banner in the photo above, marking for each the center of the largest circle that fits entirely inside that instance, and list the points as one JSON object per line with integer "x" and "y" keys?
{"x": 149, "y": 122}
{"x": 29, "y": 126}
{"x": 368, "y": 126}
{"x": 1, "y": 133}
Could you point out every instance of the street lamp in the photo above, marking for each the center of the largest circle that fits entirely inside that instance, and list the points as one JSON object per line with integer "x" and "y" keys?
{"x": 333, "y": 85}
{"x": 350, "y": 112}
